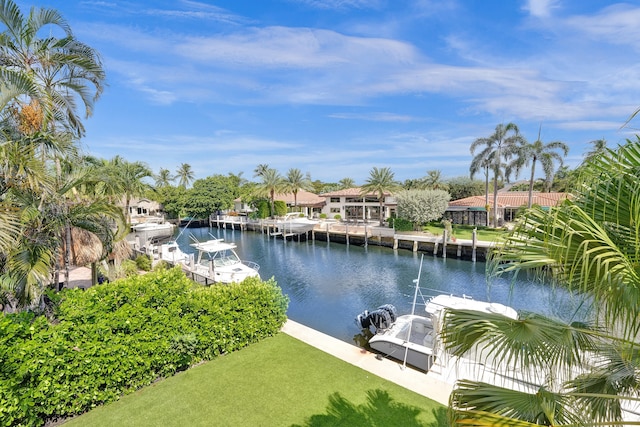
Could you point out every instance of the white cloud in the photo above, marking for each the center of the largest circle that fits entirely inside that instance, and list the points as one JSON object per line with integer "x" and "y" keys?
{"x": 540, "y": 8}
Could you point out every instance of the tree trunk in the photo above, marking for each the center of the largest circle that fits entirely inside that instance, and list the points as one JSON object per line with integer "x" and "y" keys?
{"x": 533, "y": 168}
{"x": 381, "y": 213}
{"x": 495, "y": 200}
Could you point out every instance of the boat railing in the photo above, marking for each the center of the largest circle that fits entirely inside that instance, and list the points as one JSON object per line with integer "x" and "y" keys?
{"x": 251, "y": 264}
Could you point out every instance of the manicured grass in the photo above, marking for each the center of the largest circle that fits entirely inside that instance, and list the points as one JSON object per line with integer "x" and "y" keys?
{"x": 280, "y": 381}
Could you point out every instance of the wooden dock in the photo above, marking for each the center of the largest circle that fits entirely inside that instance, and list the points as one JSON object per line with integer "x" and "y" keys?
{"x": 364, "y": 234}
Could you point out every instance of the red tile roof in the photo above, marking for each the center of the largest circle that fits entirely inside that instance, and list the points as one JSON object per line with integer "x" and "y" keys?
{"x": 513, "y": 199}
{"x": 304, "y": 198}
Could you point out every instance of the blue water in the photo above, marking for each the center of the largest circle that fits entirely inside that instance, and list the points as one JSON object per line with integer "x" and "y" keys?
{"x": 330, "y": 283}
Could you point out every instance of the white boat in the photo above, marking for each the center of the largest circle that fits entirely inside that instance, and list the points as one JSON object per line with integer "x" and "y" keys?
{"x": 413, "y": 339}
{"x": 171, "y": 252}
{"x": 217, "y": 260}
{"x": 148, "y": 231}
{"x": 293, "y": 223}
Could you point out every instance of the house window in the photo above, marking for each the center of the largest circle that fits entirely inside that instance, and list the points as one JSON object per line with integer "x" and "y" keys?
{"x": 353, "y": 200}
{"x": 335, "y": 200}
{"x": 335, "y": 210}
{"x": 370, "y": 199}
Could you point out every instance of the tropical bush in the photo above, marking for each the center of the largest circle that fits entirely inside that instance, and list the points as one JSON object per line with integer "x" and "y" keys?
{"x": 279, "y": 208}
{"x": 113, "y": 339}
{"x": 422, "y": 206}
{"x": 143, "y": 262}
{"x": 401, "y": 224}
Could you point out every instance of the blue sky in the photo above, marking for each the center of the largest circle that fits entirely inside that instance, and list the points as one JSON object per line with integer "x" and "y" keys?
{"x": 336, "y": 87}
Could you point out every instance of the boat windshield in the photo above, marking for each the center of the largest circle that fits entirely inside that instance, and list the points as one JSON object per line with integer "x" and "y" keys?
{"x": 224, "y": 258}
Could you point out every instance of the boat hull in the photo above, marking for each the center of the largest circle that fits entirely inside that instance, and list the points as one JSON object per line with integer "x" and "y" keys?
{"x": 409, "y": 340}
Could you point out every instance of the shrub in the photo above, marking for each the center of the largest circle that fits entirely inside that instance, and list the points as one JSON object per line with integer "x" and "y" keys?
{"x": 337, "y": 217}
{"x": 323, "y": 216}
{"x": 400, "y": 224}
{"x": 279, "y": 208}
{"x": 143, "y": 262}
{"x": 129, "y": 268}
{"x": 113, "y": 339}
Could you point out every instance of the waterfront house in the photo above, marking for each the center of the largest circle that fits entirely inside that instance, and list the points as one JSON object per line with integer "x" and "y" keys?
{"x": 351, "y": 205}
{"x": 473, "y": 210}
{"x": 309, "y": 204}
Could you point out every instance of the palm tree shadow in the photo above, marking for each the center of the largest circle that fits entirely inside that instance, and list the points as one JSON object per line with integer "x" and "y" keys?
{"x": 379, "y": 410}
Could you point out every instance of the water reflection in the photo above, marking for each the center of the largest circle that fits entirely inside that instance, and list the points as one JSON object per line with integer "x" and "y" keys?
{"x": 329, "y": 283}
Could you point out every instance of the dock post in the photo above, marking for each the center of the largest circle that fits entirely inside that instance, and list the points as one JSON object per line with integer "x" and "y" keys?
{"x": 365, "y": 235}
{"x": 328, "y": 240}
{"x": 444, "y": 244}
{"x": 415, "y": 246}
{"x": 474, "y": 241}
{"x": 459, "y": 250}
{"x": 435, "y": 247}
{"x": 346, "y": 233}
{"x": 395, "y": 242}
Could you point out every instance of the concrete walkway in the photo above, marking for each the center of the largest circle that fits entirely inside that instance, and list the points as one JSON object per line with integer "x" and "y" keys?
{"x": 422, "y": 383}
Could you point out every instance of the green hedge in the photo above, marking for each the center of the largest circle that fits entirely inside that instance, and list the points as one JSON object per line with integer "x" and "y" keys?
{"x": 115, "y": 338}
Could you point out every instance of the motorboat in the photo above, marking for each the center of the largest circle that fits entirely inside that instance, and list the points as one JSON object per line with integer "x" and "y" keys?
{"x": 414, "y": 339}
{"x": 171, "y": 252}
{"x": 152, "y": 231}
{"x": 293, "y": 223}
{"x": 217, "y": 260}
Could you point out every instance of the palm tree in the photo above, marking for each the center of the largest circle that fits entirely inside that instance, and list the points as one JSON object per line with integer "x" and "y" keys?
{"x": 346, "y": 183}
{"x": 272, "y": 182}
{"x": 293, "y": 182}
{"x": 62, "y": 69}
{"x": 599, "y": 147}
{"x": 260, "y": 170}
{"x": 500, "y": 145}
{"x": 482, "y": 162}
{"x": 185, "y": 175}
{"x": 127, "y": 179}
{"x": 539, "y": 152}
{"x": 433, "y": 180}
{"x": 589, "y": 246}
{"x": 380, "y": 182}
{"x": 164, "y": 178}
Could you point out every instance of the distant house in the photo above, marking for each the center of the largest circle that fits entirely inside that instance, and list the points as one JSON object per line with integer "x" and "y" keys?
{"x": 143, "y": 209}
{"x": 350, "y": 204}
{"x": 307, "y": 203}
{"x": 473, "y": 211}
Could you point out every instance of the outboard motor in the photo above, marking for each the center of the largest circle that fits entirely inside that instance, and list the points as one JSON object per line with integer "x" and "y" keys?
{"x": 381, "y": 318}
{"x": 391, "y": 309}
{"x": 362, "y": 320}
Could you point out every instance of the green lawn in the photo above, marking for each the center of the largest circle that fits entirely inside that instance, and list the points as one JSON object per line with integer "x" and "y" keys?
{"x": 280, "y": 381}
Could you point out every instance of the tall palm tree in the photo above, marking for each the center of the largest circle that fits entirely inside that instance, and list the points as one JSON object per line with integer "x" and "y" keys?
{"x": 260, "y": 170}
{"x": 482, "y": 162}
{"x": 498, "y": 146}
{"x": 590, "y": 247}
{"x": 295, "y": 181}
{"x": 62, "y": 69}
{"x": 380, "y": 182}
{"x": 538, "y": 151}
{"x": 599, "y": 147}
{"x": 185, "y": 175}
{"x": 164, "y": 178}
{"x": 272, "y": 182}
{"x": 127, "y": 179}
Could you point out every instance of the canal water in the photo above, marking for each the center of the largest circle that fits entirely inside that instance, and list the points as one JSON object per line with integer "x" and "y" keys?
{"x": 329, "y": 284}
